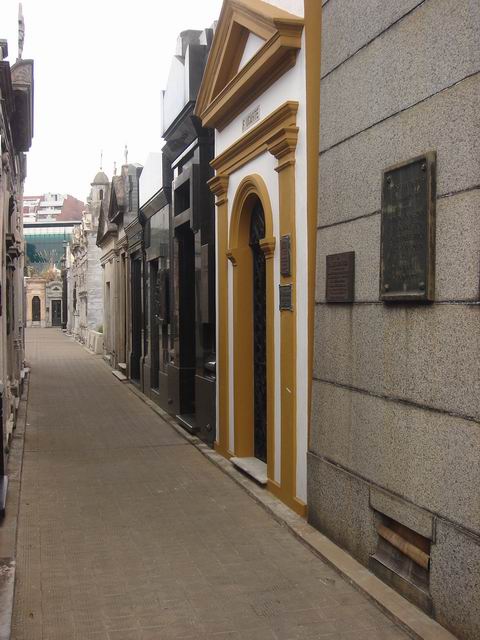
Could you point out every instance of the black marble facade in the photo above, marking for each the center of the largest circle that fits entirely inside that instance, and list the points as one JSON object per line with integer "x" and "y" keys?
{"x": 179, "y": 250}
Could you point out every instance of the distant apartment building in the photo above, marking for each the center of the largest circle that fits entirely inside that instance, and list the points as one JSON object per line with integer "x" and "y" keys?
{"x": 49, "y": 220}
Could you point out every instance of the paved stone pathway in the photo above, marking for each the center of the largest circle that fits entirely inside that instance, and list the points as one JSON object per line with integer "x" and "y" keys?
{"x": 126, "y": 532}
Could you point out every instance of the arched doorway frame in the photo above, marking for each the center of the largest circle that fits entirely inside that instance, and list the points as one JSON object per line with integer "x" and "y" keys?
{"x": 251, "y": 189}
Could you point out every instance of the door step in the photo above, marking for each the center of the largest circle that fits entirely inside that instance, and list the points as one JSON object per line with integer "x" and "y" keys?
{"x": 119, "y": 375}
{"x": 3, "y": 495}
{"x": 253, "y": 467}
{"x": 188, "y": 422}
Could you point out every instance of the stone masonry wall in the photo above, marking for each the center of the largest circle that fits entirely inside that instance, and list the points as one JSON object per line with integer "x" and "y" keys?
{"x": 94, "y": 283}
{"x": 396, "y": 389}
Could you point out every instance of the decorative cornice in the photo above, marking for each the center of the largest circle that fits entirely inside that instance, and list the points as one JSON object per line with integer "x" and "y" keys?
{"x": 121, "y": 243}
{"x": 267, "y": 245}
{"x": 219, "y": 186}
{"x": 282, "y": 145}
{"x": 255, "y": 141}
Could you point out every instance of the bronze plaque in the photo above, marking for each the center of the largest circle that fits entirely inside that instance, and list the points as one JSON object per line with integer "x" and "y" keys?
{"x": 285, "y": 297}
{"x": 285, "y": 252}
{"x": 407, "y": 257}
{"x": 340, "y": 284}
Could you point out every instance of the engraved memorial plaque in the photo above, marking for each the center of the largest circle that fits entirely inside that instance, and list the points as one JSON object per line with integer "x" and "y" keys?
{"x": 340, "y": 281}
{"x": 285, "y": 252}
{"x": 285, "y": 297}
{"x": 407, "y": 257}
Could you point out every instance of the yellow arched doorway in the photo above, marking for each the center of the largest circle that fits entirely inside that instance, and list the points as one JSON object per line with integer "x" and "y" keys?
{"x": 251, "y": 251}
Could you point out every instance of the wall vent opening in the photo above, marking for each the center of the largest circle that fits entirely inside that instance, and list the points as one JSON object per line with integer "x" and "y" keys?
{"x": 402, "y": 559}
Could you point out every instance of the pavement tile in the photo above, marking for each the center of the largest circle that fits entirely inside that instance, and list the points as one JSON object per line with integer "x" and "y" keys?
{"x": 126, "y": 532}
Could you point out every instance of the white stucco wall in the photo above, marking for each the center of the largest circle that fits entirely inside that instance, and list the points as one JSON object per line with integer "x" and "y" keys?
{"x": 292, "y": 6}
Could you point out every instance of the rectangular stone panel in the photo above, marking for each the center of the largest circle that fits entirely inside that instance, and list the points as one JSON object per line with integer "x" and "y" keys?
{"x": 457, "y": 270}
{"x": 433, "y": 48}
{"x": 338, "y": 506}
{"x": 350, "y": 174}
{"x": 348, "y": 25}
{"x": 426, "y": 354}
{"x": 407, "y": 256}
{"x": 457, "y": 556}
{"x": 425, "y": 457}
{"x": 404, "y": 512}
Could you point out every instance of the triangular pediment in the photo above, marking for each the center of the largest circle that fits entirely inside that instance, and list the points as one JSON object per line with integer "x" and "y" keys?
{"x": 105, "y": 227}
{"x": 117, "y": 198}
{"x": 102, "y": 226}
{"x": 254, "y": 44}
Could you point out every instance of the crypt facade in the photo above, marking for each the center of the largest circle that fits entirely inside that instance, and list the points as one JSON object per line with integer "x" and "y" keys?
{"x": 260, "y": 96}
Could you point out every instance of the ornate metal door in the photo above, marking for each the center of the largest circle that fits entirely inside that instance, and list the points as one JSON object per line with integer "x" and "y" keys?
{"x": 257, "y": 231}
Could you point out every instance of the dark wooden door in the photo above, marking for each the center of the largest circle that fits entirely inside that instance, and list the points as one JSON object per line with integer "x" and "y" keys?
{"x": 136, "y": 304}
{"x": 56, "y": 313}
{"x": 257, "y": 231}
{"x": 155, "y": 325}
{"x": 36, "y": 309}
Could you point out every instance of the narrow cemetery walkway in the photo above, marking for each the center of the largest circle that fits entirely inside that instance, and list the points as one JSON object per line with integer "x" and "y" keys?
{"x": 127, "y": 532}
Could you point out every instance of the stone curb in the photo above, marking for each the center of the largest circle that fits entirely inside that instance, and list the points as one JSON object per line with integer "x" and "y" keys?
{"x": 9, "y": 525}
{"x": 406, "y": 615}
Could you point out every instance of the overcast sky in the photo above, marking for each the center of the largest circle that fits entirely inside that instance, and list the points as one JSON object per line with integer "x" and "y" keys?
{"x": 100, "y": 66}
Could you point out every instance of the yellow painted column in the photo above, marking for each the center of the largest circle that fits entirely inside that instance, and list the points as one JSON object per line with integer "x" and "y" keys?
{"x": 268, "y": 247}
{"x": 313, "y": 63}
{"x": 219, "y": 186}
{"x": 241, "y": 259}
{"x": 282, "y": 145}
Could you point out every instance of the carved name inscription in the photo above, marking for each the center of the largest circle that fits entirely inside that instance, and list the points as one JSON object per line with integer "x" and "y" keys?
{"x": 340, "y": 281}
{"x": 251, "y": 117}
{"x": 407, "y": 259}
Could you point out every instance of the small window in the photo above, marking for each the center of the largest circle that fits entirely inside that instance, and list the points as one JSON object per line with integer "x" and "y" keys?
{"x": 182, "y": 198}
{"x": 101, "y": 194}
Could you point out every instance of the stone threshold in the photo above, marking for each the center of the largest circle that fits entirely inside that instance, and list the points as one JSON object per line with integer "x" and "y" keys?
{"x": 9, "y": 523}
{"x": 119, "y": 375}
{"x": 399, "y": 610}
{"x": 253, "y": 467}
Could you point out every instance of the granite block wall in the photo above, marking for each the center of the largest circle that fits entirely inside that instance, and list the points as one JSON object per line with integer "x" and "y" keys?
{"x": 396, "y": 391}
{"x": 94, "y": 284}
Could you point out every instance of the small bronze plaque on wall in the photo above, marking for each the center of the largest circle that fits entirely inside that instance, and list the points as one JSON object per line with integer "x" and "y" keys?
{"x": 340, "y": 285}
{"x": 285, "y": 252}
{"x": 407, "y": 256}
{"x": 285, "y": 297}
